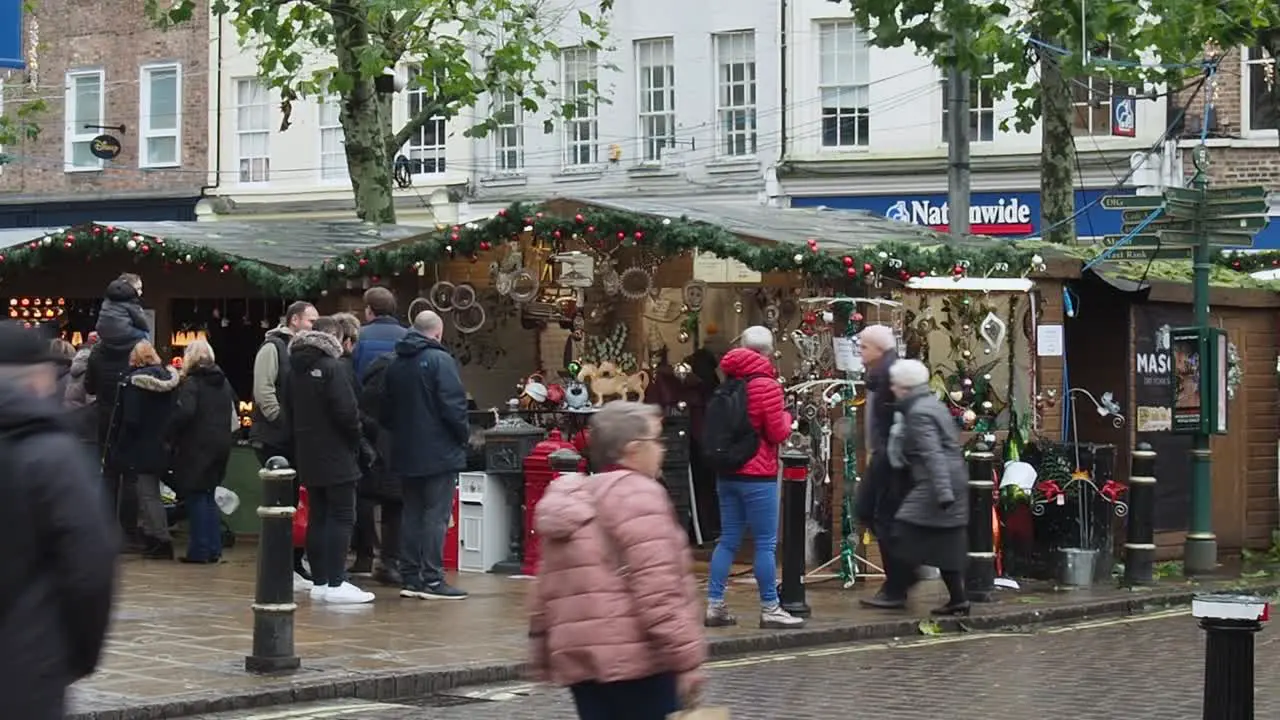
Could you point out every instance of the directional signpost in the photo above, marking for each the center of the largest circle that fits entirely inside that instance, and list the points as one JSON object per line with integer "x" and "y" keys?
{"x": 1184, "y": 223}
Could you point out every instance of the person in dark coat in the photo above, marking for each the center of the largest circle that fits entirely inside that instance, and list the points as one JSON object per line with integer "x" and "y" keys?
{"x": 424, "y": 406}
{"x": 379, "y": 484}
{"x": 58, "y": 567}
{"x": 325, "y": 421}
{"x": 141, "y": 443}
{"x": 381, "y": 330}
{"x": 881, "y": 488}
{"x": 121, "y": 318}
{"x": 202, "y": 427}
{"x": 931, "y": 524}
{"x": 364, "y": 539}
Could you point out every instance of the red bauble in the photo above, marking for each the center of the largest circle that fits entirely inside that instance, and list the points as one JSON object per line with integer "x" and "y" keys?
{"x": 97, "y": 230}
{"x": 621, "y": 235}
{"x": 923, "y": 273}
{"x": 851, "y": 272}
{"x": 555, "y": 234}
{"x": 502, "y": 212}
{"x": 145, "y": 248}
{"x": 375, "y": 278}
{"x": 1275, "y": 263}
{"x": 364, "y": 261}
{"x": 903, "y": 275}
{"x": 579, "y": 219}
{"x": 484, "y": 245}
{"x": 811, "y": 242}
{"x": 866, "y": 267}
{"x": 1235, "y": 264}
{"x": 856, "y": 317}
{"x": 226, "y": 268}
{"x": 203, "y": 267}
{"x": 454, "y": 237}
{"x": 958, "y": 270}
{"x": 639, "y": 236}
{"x": 591, "y": 228}
{"x": 810, "y": 318}
{"x": 848, "y": 261}
{"x": 66, "y": 244}
{"x": 538, "y": 215}
{"x": 1, "y": 258}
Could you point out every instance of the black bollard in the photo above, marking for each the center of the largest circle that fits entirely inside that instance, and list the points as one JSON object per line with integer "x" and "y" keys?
{"x": 1139, "y": 540}
{"x": 1229, "y": 622}
{"x": 795, "y": 487}
{"x": 980, "y": 576}
{"x": 273, "y": 605}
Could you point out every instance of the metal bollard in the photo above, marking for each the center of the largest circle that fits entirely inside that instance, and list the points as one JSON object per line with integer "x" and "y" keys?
{"x": 273, "y": 605}
{"x": 795, "y": 488}
{"x": 1229, "y": 622}
{"x": 1139, "y": 540}
{"x": 980, "y": 576}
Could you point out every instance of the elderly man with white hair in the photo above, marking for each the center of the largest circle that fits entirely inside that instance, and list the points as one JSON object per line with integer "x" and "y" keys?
{"x": 881, "y": 488}
{"x": 929, "y": 527}
{"x": 746, "y": 422}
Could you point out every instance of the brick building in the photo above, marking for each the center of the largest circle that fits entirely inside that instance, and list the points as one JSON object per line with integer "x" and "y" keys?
{"x": 107, "y": 71}
{"x": 1244, "y": 130}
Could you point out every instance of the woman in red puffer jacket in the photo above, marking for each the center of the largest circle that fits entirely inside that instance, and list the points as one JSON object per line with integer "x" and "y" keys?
{"x": 749, "y": 497}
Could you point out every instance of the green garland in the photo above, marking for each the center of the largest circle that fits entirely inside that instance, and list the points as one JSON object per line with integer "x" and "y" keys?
{"x": 1249, "y": 262}
{"x": 602, "y": 229}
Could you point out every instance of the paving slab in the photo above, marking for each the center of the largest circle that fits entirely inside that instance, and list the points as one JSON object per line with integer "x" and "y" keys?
{"x": 180, "y": 634}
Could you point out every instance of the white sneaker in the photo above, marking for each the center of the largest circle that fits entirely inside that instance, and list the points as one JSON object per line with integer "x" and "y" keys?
{"x": 319, "y": 593}
{"x": 301, "y": 584}
{"x": 347, "y": 594}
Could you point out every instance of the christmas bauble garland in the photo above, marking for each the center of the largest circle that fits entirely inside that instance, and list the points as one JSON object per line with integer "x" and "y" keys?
{"x": 601, "y": 229}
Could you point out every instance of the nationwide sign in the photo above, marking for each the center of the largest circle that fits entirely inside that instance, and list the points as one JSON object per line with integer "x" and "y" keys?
{"x": 1007, "y": 216}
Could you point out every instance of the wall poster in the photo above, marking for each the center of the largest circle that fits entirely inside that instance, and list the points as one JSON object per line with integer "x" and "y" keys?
{"x": 1154, "y": 361}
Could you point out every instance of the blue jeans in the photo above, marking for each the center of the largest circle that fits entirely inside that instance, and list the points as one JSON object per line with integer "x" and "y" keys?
{"x": 205, "y": 541}
{"x": 428, "y": 504}
{"x": 648, "y": 698}
{"x": 746, "y": 504}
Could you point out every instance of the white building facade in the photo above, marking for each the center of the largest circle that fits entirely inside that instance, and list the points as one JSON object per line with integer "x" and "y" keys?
{"x": 866, "y": 132}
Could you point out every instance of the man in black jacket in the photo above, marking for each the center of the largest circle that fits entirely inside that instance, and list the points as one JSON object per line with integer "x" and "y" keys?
{"x": 880, "y": 492}
{"x": 58, "y": 566}
{"x": 325, "y": 418}
{"x": 424, "y": 406}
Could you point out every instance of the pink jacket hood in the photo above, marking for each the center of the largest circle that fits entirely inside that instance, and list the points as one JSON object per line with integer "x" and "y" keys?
{"x": 567, "y": 505}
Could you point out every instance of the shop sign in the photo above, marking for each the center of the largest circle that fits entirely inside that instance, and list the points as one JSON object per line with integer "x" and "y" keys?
{"x": 11, "y": 50}
{"x": 1006, "y": 216}
{"x": 105, "y": 147}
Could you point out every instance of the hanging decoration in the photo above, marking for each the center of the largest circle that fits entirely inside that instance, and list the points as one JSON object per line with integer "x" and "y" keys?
{"x": 1235, "y": 371}
{"x": 635, "y": 283}
{"x": 441, "y": 296}
{"x": 464, "y": 296}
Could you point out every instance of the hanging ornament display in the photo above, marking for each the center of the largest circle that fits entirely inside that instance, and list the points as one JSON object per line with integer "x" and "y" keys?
{"x": 464, "y": 296}
{"x": 993, "y": 331}
{"x": 441, "y": 296}
{"x": 524, "y": 286}
{"x": 636, "y": 283}
{"x": 417, "y": 306}
{"x": 469, "y": 319}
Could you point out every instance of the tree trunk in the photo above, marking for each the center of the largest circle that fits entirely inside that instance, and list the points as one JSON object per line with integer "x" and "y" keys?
{"x": 1057, "y": 155}
{"x": 363, "y": 125}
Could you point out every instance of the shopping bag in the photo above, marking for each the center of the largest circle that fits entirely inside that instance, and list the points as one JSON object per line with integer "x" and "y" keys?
{"x": 701, "y": 713}
{"x": 300, "y": 520}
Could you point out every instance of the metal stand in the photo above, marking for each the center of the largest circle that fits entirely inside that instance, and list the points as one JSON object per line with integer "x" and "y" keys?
{"x": 1139, "y": 541}
{"x": 795, "y": 488}
{"x": 273, "y": 605}
{"x": 980, "y": 577}
{"x": 1229, "y": 622}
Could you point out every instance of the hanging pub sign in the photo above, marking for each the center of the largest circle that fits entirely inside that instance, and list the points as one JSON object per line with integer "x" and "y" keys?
{"x": 105, "y": 147}
{"x": 1198, "y": 370}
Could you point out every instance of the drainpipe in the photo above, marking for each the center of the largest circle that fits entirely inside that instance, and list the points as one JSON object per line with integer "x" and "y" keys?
{"x": 782, "y": 84}
{"x": 217, "y": 122}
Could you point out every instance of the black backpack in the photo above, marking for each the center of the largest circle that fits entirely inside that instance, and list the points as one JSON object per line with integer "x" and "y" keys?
{"x": 728, "y": 439}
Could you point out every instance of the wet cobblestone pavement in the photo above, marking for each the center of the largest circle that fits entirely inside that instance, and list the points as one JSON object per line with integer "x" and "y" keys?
{"x": 1147, "y": 668}
{"x": 181, "y": 632}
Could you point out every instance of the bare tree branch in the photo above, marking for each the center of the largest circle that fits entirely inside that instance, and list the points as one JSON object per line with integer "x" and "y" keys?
{"x": 432, "y": 109}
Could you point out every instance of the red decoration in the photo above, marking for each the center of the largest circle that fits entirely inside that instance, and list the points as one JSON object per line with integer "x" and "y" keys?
{"x": 866, "y": 268}
{"x": 485, "y": 245}
{"x": 364, "y": 261}
{"x": 375, "y": 278}
{"x": 639, "y": 236}
{"x": 579, "y": 219}
{"x": 1235, "y": 264}
{"x": 66, "y": 244}
{"x": 621, "y": 235}
{"x": 848, "y": 261}
{"x": 145, "y": 248}
{"x": 1112, "y": 490}
{"x": 1, "y": 258}
{"x": 903, "y": 274}
{"x": 923, "y": 273}
{"x": 555, "y": 234}
{"x": 226, "y": 268}
{"x": 1050, "y": 490}
{"x": 957, "y": 270}
{"x": 502, "y": 212}
{"x": 591, "y": 228}
{"x": 851, "y": 272}
{"x": 454, "y": 237}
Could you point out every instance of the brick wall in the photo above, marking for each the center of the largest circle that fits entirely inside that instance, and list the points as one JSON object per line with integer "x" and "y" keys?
{"x": 1232, "y": 164}
{"x": 117, "y": 38}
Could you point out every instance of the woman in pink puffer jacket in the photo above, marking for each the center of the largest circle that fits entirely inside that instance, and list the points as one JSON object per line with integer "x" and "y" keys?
{"x": 615, "y": 614}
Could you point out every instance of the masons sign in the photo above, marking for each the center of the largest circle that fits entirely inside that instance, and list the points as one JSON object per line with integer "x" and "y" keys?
{"x": 1007, "y": 216}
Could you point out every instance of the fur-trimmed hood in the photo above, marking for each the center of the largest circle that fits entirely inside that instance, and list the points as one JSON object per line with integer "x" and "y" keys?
{"x": 155, "y": 378}
{"x": 322, "y": 341}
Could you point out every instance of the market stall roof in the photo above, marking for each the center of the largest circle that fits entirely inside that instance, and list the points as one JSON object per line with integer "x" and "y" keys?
{"x": 285, "y": 244}
{"x": 837, "y": 229}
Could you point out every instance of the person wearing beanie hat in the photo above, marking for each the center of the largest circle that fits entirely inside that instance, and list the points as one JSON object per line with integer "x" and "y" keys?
{"x": 60, "y": 547}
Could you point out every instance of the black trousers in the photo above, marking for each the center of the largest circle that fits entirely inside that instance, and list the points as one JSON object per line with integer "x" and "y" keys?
{"x": 368, "y": 541}
{"x": 331, "y": 520}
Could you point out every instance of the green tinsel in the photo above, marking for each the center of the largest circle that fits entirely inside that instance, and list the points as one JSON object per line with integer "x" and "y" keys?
{"x": 601, "y": 229}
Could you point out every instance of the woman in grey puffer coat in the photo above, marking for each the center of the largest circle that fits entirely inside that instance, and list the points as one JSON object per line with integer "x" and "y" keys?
{"x": 930, "y": 527}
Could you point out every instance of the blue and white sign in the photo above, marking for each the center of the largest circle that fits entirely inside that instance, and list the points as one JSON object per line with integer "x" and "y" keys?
{"x": 1124, "y": 117}
{"x": 1000, "y": 214}
{"x": 11, "y": 55}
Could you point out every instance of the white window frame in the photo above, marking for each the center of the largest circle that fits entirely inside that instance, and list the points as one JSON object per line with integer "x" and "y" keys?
{"x": 1100, "y": 88}
{"x": 1247, "y": 67}
{"x": 434, "y": 155}
{"x": 331, "y": 173}
{"x": 241, "y": 133}
{"x": 508, "y": 136}
{"x": 736, "y": 119}
{"x": 145, "y": 131}
{"x": 656, "y": 127}
{"x": 579, "y": 73}
{"x": 73, "y": 135}
{"x": 982, "y": 101}
{"x": 859, "y": 83}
